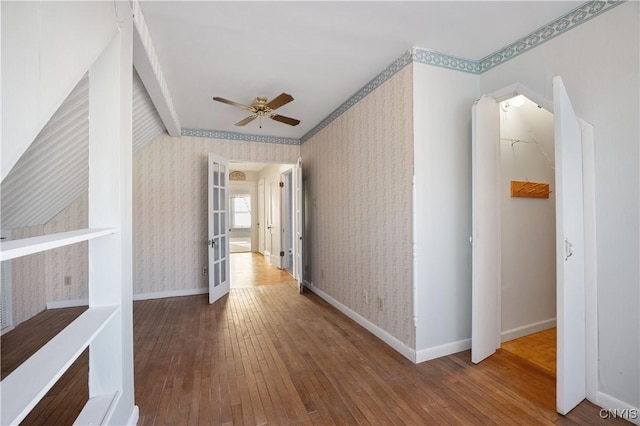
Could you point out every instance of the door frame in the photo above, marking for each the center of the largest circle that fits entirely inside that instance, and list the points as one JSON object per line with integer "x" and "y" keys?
{"x": 287, "y": 218}
{"x": 261, "y": 217}
{"x": 589, "y": 210}
{"x": 275, "y": 203}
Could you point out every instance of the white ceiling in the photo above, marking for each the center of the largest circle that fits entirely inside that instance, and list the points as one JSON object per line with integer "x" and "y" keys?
{"x": 319, "y": 52}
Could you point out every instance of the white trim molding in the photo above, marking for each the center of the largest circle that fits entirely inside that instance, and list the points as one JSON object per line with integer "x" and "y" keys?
{"x": 525, "y": 330}
{"x": 135, "y": 415}
{"x": 434, "y": 352}
{"x": 381, "y": 334}
{"x": 172, "y": 293}
{"x": 614, "y": 408}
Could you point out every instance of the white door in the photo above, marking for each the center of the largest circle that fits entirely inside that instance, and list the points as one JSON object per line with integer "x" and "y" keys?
{"x": 298, "y": 225}
{"x": 261, "y": 218}
{"x": 275, "y": 228}
{"x": 286, "y": 221}
{"x": 485, "y": 288}
{"x": 218, "y": 228}
{"x": 570, "y": 377}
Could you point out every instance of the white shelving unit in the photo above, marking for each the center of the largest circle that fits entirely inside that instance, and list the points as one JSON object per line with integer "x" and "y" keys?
{"x": 26, "y": 385}
{"x": 18, "y": 248}
{"x": 106, "y": 328}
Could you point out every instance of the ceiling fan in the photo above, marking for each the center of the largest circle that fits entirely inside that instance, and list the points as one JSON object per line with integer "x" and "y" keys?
{"x": 261, "y": 108}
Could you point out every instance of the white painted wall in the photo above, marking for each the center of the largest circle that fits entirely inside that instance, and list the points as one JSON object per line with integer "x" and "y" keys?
{"x": 46, "y": 48}
{"x": 599, "y": 64}
{"x": 528, "y": 224}
{"x": 442, "y": 102}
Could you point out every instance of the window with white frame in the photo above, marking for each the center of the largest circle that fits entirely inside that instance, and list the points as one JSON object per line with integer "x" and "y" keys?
{"x": 240, "y": 211}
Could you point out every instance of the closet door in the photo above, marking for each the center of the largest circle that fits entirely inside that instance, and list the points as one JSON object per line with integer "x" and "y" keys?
{"x": 571, "y": 351}
{"x": 485, "y": 319}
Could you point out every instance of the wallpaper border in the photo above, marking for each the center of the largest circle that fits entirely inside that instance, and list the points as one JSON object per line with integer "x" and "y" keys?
{"x": 561, "y": 25}
{"x": 385, "y": 75}
{"x": 570, "y": 20}
{"x": 564, "y": 23}
{"x": 218, "y": 134}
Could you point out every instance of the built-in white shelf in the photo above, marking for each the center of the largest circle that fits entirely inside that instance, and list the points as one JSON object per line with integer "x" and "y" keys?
{"x": 18, "y": 248}
{"x": 25, "y": 386}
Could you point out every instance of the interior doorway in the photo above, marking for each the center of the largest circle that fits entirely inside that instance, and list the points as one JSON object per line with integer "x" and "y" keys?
{"x": 527, "y": 231}
{"x": 576, "y": 345}
{"x": 261, "y": 222}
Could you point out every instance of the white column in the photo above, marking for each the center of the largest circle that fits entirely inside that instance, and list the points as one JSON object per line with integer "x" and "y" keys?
{"x": 110, "y": 205}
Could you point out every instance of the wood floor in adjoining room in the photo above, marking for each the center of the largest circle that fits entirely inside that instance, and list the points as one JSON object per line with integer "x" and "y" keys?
{"x": 269, "y": 355}
{"x": 251, "y": 270}
{"x": 538, "y": 348}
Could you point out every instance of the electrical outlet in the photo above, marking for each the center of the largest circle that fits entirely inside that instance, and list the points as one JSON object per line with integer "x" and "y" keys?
{"x": 67, "y": 280}
{"x": 204, "y": 271}
{"x": 380, "y": 303}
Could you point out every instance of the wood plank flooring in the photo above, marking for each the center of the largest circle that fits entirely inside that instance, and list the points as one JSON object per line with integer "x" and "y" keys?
{"x": 251, "y": 270}
{"x": 268, "y": 355}
{"x": 64, "y": 401}
{"x": 537, "y": 348}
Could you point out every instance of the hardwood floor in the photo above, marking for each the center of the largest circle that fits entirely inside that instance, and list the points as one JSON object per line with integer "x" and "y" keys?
{"x": 268, "y": 355}
{"x": 251, "y": 270}
{"x": 64, "y": 401}
{"x": 537, "y": 348}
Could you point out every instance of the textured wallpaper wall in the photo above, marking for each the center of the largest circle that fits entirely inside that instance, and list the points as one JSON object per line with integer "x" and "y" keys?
{"x": 39, "y": 278}
{"x": 358, "y": 177}
{"x": 170, "y": 206}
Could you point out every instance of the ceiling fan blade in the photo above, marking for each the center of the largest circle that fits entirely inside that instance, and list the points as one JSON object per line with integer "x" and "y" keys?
{"x": 278, "y": 101}
{"x": 227, "y": 101}
{"x": 286, "y": 120}
{"x": 247, "y": 120}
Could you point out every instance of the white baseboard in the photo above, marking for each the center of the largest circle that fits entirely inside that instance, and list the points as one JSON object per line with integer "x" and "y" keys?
{"x": 172, "y": 293}
{"x": 613, "y": 407}
{"x": 133, "y": 418}
{"x": 442, "y": 350}
{"x": 525, "y": 330}
{"x": 381, "y": 334}
{"x": 67, "y": 303}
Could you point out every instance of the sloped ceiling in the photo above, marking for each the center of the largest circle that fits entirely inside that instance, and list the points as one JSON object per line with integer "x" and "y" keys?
{"x": 54, "y": 171}
{"x": 147, "y": 124}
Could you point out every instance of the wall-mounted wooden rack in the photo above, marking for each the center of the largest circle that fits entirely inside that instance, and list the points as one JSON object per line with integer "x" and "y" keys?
{"x": 529, "y": 189}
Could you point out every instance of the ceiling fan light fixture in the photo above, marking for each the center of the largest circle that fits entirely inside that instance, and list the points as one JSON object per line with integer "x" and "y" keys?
{"x": 262, "y": 108}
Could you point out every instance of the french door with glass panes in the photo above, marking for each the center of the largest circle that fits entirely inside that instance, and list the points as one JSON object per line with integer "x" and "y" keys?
{"x": 218, "y": 241}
